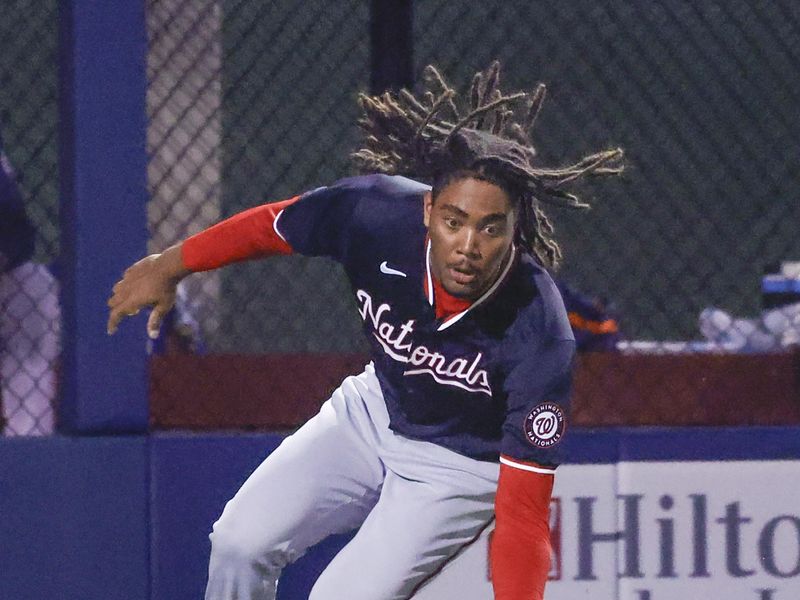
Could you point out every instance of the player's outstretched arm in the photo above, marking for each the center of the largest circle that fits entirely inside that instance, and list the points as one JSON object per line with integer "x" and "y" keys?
{"x": 152, "y": 282}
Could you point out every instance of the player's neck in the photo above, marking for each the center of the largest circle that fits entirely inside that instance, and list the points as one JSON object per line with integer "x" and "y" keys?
{"x": 445, "y": 303}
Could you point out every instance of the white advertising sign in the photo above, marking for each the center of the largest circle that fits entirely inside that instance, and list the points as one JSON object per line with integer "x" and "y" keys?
{"x": 661, "y": 531}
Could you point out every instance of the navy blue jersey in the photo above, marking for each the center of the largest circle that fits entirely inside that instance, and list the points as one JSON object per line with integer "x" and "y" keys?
{"x": 17, "y": 235}
{"x": 492, "y": 380}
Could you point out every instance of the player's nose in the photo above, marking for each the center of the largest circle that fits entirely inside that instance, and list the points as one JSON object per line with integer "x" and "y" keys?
{"x": 467, "y": 243}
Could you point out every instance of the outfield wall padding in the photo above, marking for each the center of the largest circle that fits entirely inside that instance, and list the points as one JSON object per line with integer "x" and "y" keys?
{"x": 129, "y": 517}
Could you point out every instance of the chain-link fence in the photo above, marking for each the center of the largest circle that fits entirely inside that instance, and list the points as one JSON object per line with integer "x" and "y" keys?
{"x": 694, "y": 250}
{"x": 251, "y": 101}
{"x": 702, "y": 97}
{"x": 258, "y": 99}
{"x": 29, "y": 235}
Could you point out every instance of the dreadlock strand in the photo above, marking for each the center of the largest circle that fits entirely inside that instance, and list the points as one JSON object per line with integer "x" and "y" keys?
{"x": 435, "y": 108}
{"x": 516, "y": 133}
{"x": 412, "y": 102}
{"x": 562, "y": 199}
{"x": 608, "y": 171}
{"x": 500, "y": 121}
{"x": 492, "y": 78}
{"x": 431, "y": 74}
{"x": 502, "y": 101}
{"x": 394, "y": 108}
{"x": 475, "y": 91}
{"x": 410, "y": 134}
{"x": 582, "y": 167}
{"x": 533, "y": 111}
{"x": 491, "y": 116}
{"x": 546, "y": 248}
{"x": 536, "y": 234}
{"x": 545, "y": 225}
{"x": 396, "y": 122}
{"x": 562, "y": 173}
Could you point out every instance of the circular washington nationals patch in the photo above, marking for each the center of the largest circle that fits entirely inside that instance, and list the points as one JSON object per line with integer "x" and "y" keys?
{"x": 544, "y": 425}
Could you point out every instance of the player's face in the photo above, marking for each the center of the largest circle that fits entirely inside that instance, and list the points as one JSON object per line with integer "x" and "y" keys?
{"x": 471, "y": 227}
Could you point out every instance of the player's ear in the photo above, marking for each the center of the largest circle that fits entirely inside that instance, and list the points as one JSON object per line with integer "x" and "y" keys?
{"x": 427, "y": 204}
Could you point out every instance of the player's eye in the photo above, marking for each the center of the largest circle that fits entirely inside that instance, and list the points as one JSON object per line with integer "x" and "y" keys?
{"x": 494, "y": 230}
{"x": 451, "y": 223}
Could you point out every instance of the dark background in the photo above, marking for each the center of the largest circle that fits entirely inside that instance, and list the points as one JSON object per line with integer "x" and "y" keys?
{"x": 702, "y": 96}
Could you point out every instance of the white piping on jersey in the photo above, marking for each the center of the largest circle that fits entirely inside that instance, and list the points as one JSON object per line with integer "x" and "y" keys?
{"x": 428, "y": 271}
{"x": 447, "y": 382}
{"x": 524, "y": 467}
{"x": 458, "y": 316}
{"x": 275, "y": 225}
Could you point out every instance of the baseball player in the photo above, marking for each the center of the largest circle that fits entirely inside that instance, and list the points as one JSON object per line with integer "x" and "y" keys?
{"x": 458, "y": 420}
{"x": 30, "y": 319}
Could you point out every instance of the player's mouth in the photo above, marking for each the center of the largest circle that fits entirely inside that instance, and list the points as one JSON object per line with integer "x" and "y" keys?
{"x": 462, "y": 275}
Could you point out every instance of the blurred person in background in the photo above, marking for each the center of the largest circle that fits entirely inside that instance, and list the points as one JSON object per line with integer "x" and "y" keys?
{"x": 593, "y": 319}
{"x": 180, "y": 331}
{"x": 29, "y": 319}
{"x": 775, "y": 329}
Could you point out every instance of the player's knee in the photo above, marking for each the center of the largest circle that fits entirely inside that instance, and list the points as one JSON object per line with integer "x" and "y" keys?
{"x": 237, "y": 546}
{"x": 358, "y": 585}
{"x": 227, "y": 548}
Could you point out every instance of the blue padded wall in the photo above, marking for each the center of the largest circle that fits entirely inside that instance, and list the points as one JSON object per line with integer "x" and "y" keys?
{"x": 128, "y": 518}
{"x": 74, "y": 519}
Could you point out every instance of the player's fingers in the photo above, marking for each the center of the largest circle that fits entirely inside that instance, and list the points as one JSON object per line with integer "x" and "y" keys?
{"x": 118, "y": 313}
{"x": 120, "y": 292}
{"x": 114, "y": 317}
{"x": 115, "y": 300}
{"x": 154, "y": 320}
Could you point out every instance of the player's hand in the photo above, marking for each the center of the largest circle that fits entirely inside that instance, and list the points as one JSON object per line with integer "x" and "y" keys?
{"x": 150, "y": 282}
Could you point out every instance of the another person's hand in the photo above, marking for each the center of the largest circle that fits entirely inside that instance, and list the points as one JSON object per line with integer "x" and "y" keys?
{"x": 152, "y": 282}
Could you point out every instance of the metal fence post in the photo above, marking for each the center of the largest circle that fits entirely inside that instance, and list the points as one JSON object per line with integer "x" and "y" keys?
{"x": 392, "y": 45}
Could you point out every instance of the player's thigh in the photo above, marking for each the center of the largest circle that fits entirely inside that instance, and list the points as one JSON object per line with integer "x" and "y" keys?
{"x": 323, "y": 479}
{"x": 413, "y": 531}
{"x": 465, "y": 577}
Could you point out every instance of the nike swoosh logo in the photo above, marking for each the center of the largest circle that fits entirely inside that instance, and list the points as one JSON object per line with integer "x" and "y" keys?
{"x": 385, "y": 268}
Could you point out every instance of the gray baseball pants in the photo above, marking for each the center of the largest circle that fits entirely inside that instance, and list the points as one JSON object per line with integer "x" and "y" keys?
{"x": 417, "y": 504}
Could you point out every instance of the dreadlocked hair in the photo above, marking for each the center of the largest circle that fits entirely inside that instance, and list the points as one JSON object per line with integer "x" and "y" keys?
{"x": 439, "y": 138}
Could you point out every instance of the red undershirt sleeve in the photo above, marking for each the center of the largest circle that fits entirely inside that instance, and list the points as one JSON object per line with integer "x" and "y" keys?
{"x": 520, "y": 550}
{"x": 249, "y": 234}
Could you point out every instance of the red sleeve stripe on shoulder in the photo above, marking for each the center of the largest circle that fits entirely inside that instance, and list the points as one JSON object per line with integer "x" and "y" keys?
{"x": 527, "y": 466}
